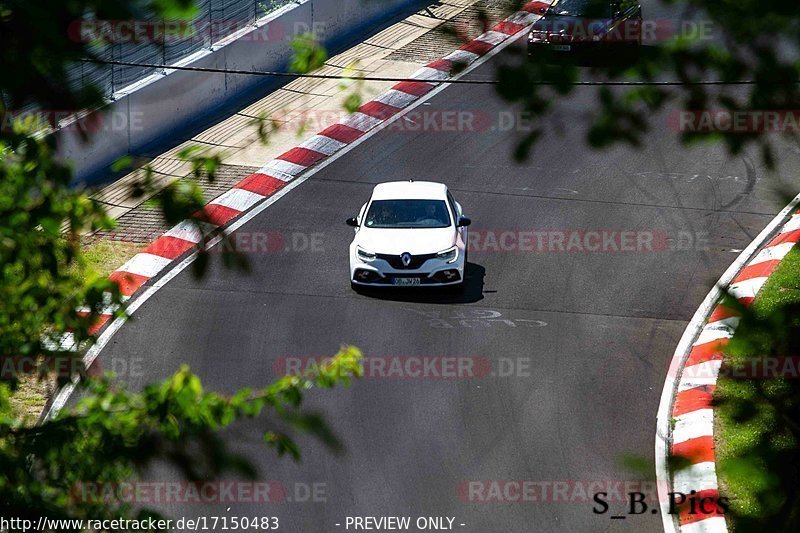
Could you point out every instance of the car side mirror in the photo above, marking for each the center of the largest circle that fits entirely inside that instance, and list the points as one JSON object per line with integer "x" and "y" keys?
{"x": 463, "y": 222}
{"x": 352, "y": 222}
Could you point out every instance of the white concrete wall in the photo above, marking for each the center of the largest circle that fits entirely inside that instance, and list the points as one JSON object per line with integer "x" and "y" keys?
{"x": 171, "y": 104}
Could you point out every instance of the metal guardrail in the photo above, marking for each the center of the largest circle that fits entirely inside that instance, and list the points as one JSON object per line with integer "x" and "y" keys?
{"x": 157, "y": 41}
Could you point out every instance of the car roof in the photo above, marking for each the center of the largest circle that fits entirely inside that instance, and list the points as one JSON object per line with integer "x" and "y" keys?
{"x": 410, "y": 190}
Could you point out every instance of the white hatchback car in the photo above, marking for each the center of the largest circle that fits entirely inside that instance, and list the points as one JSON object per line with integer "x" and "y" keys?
{"x": 409, "y": 233}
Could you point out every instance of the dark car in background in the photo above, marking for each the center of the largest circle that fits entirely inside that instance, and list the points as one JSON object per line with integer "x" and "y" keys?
{"x": 587, "y": 26}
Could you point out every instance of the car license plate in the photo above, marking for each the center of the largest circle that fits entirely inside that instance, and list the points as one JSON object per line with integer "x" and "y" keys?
{"x": 405, "y": 282}
{"x": 562, "y": 47}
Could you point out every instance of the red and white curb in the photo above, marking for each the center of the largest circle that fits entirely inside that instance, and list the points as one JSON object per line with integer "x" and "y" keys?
{"x": 255, "y": 189}
{"x": 686, "y": 415}
{"x": 287, "y": 166}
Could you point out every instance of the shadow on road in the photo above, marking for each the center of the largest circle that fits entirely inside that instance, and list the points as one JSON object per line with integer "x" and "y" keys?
{"x": 617, "y": 59}
{"x": 472, "y": 292}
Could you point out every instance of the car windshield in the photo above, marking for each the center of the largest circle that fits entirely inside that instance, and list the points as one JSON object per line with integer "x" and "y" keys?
{"x": 407, "y": 214}
{"x": 582, "y": 8}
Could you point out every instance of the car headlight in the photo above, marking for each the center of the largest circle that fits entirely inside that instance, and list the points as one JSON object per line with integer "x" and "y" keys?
{"x": 448, "y": 255}
{"x": 364, "y": 255}
{"x": 537, "y": 37}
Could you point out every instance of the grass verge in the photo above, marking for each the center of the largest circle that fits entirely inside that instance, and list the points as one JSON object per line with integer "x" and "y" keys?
{"x": 102, "y": 257}
{"x": 756, "y": 433}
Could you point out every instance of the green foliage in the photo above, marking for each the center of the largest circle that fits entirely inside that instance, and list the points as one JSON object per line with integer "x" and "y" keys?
{"x": 749, "y": 40}
{"x": 112, "y": 434}
{"x": 308, "y": 54}
{"x": 352, "y": 103}
{"x": 40, "y": 222}
{"x": 758, "y": 419}
{"x": 752, "y": 41}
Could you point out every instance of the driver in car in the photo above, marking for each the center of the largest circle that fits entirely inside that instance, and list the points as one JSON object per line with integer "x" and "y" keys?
{"x": 431, "y": 213}
{"x": 381, "y": 217}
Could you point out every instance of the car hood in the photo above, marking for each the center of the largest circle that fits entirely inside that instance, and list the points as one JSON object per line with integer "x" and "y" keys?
{"x": 579, "y": 26}
{"x": 414, "y": 241}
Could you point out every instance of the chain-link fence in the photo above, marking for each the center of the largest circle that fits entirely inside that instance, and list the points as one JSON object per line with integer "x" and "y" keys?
{"x": 160, "y": 42}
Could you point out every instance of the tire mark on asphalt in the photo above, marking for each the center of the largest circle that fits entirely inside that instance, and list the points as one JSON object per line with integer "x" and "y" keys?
{"x": 455, "y": 305}
{"x": 750, "y": 184}
{"x": 557, "y": 198}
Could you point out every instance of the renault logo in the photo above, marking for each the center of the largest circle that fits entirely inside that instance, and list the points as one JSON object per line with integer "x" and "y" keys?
{"x": 406, "y": 259}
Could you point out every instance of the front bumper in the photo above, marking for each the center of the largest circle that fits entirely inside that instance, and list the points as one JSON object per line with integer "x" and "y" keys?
{"x": 433, "y": 273}
{"x": 576, "y": 48}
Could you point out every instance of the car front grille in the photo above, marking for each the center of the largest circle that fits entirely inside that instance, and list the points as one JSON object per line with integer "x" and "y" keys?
{"x": 416, "y": 261}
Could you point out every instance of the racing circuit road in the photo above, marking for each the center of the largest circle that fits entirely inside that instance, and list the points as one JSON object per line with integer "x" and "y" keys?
{"x": 590, "y": 332}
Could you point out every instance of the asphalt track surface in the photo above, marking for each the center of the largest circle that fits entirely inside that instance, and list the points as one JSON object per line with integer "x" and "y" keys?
{"x": 596, "y": 329}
